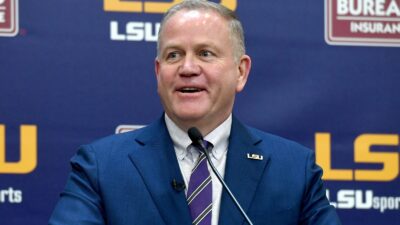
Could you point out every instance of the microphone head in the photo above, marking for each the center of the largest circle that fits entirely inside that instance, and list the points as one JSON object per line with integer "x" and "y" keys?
{"x": 195, "y": 135}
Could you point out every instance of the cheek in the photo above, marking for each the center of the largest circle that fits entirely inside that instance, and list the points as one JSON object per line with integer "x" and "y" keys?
{"x": 162, "y": 86}
{"x": 227, "y": 80}
{"x": 167, "y": 73}
{"x": 163, "y": 79}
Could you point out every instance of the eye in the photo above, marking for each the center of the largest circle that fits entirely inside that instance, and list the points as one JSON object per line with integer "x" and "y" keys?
{"x": 206, "y": 53}
{"x": 172, "y": 55}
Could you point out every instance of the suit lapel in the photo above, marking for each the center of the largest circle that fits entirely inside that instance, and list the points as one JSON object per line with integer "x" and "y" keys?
{"x": 242, "y": 175}
{"x": 156, "y": 162}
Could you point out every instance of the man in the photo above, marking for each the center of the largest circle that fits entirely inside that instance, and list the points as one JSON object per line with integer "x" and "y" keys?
{"x": 148, "y": 176}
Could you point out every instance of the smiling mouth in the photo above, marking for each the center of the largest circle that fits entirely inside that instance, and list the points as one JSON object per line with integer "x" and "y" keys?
{"x": 190, "y": 90}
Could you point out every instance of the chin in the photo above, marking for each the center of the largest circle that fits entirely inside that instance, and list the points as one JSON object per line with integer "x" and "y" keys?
{"x": 189, "y": 116}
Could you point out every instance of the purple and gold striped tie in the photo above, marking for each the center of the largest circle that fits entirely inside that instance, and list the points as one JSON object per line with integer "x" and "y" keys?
{"x": 199, "y": 195}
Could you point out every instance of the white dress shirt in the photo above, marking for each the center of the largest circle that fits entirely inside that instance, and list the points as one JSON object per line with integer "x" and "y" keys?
{"x": 187, "y": 156}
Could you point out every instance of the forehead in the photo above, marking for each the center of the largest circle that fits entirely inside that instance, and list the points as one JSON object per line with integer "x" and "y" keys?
{"x": 195, "y": 23}
{"x": 200, "y": 16}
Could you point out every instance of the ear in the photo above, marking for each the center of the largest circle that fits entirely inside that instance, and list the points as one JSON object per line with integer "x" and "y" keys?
{"x": 157, "y": 67}
{"x": 244, "y": 67}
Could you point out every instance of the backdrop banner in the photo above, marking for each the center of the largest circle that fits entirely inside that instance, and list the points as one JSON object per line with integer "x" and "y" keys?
{"x": 325, "y": 74}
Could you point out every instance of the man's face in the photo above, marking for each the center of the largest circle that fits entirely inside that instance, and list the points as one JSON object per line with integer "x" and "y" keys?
{"x": 197, "y": 74}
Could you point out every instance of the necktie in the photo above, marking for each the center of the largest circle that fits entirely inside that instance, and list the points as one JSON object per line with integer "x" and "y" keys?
{"x": 199, "y": 195}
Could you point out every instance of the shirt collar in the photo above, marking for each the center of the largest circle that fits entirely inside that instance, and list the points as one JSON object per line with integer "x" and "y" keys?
{"x": 179, "y": 138}
{"x": 218, "y": 137}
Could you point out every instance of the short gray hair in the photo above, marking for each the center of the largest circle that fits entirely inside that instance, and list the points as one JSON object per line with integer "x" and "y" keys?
{"x": 235, "y": 25}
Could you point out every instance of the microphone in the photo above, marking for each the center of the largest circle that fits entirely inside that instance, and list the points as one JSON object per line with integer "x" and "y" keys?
{"x": 197, "y": 138}
{"x": 178, "y": 186}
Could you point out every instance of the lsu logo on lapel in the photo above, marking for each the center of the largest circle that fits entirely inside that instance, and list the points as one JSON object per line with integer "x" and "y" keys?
{"x": 255, "y": 156}
{"x": 8, "y": 18}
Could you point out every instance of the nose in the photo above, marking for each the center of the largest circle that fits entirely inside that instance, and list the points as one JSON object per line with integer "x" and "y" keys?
{"x": 189, "y": 66}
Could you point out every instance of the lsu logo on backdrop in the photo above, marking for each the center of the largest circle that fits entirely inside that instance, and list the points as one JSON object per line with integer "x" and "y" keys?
{"x": 28, "y": 151}
{"x": 363, "y": 200}
{"x": 364, "y": 154}
{"x": 376, "y": 158}
{"x": 8, "y": 18}
{"x": 142, "y": 30}
{"x": 362, "y": 22}
{"x": 151, "y": 6}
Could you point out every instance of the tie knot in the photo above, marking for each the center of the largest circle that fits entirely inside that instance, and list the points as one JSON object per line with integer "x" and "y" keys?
{"x": 194, "y": 151}
{"x": 207, "y": 145}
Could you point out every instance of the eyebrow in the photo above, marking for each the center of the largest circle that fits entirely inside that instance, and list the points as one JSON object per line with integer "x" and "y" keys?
{"x": 197, "y": 46}
{"x": 169, "y": 48}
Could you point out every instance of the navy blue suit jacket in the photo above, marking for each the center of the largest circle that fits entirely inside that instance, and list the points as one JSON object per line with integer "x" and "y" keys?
{"x": 126, "y": 179}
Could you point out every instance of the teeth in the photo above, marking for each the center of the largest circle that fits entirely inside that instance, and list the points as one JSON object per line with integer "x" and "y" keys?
{"x": 189, "y": 89}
